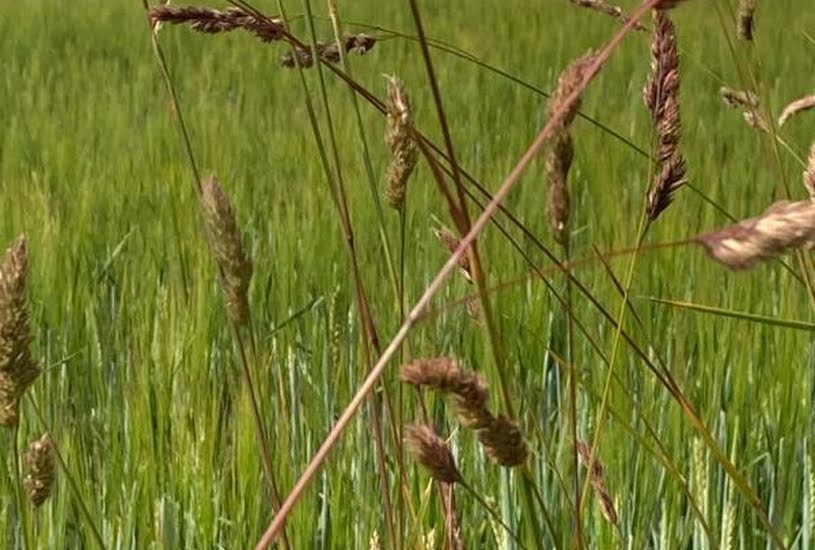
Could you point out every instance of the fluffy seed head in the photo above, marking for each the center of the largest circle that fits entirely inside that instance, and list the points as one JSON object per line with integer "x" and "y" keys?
{"x": 503, "y": 442}
{"x": 401, "y": 142}
{"x": 432, "y": 452}
{"x": 18, "y": 369}
{"x": 39, "y": 461}
{"x": 797, "y": 106}
{"x": 235, "y": 267}
{"x": 784, "y": 226}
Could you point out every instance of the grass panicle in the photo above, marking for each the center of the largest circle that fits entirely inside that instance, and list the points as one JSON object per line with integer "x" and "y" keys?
{"x": 212, "y": 21}
{"x": 235, "y": 267}
{"x": 798, "y": 106}
{"x": 784, "y": 226}
{"x": 598, "y": 483}
{"x": 432, "y": 452}
{"x": 18, "y": 369}
{"x": 746, "y": 19}
{"x": 661, "y": 94}
{"x": 809, "y": 173}
{"x": 401, "y": 141}
{"x": 41, "y": 467}
{"x": 330, "y": 53}
{"x": 611, "y": 10}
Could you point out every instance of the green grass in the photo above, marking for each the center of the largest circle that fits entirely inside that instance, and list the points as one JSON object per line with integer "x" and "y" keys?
{"x": 141, "y": 386}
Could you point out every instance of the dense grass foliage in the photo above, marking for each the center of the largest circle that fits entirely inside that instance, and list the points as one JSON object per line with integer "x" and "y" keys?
{"x": 141, "y": 388}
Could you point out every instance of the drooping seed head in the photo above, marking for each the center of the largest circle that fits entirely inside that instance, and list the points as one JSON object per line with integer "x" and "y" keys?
{"x": 744, "y": 99}
{"x": 669, "y": 179}
{"x": 784, "y": 226}
{"x": 39, "y": 462}
{"x": 430, "y": 450}
{"x": 797, "y": 106}
{"x": 212, "y": 21}
{"x": 235, "y": 267}
{"x": 401, "y": 142}
{"x": 569, "y": 81}
{"x": 18, "y": 369}
{"x": 355, "y": 43}
{"x": 558, "y": 161}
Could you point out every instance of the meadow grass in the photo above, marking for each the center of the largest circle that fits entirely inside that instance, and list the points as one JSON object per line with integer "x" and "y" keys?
{"x": 140, "y": 385}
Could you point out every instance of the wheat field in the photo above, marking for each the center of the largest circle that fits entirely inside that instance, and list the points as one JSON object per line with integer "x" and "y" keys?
{"x": 143, "y": 389}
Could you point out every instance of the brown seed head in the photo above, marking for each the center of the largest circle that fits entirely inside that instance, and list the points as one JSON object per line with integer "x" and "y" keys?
{"x": 355, "y": 43}
{"x": 746, "y": 20}
{"x": 18, "y": 369}
{"x": 401, "y": 142}
{"x": 558, "y": 161}
{"x": 225, "y": 241}
{"x": 569, "y": 80}
{"x": 782, "y": 227}
{"x": 432, "y": 452}
{"x": 503, "y": 442}
{"x": 744, "y": 99}
{"x": 669, "y": 179}
{"x": 39, "y": 461}
{"x": 214, "y": 21}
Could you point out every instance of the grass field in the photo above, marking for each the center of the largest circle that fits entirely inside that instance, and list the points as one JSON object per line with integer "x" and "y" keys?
{"x": 141, "y": 389}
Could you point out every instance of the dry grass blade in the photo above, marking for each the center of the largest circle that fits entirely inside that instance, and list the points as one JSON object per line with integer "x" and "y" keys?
{"x": 784, "y": 226}
{"x": 809, "y": 173}
{"x": 18, "y": 369}
{"x": 40, "y": 463}
{"x": 432, "y": 452}
{"x": 354, "y": 43}
{"x": 611, "y": 10}
{"x": 746, "y": 21}
{"x": 212, "y": 21}
{"x": 225, "y": 241}
{"x": 598, "y": 483}
{"x": 661, "y": 95}
{"x": 400, "y": 139}
{"x": 797, "y": 106}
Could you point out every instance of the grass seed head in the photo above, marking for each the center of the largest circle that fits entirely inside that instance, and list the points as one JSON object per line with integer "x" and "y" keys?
{"x": 330, "y": 53}
{"x": 558, "y": 160}
{"x": 797, "y": 106}
{"x": 744, "y": 99}
{"x": 400, "y": 140}
{"x": 39, "y": 461}
{"x": 782, "y": 227}
{"x": 18, "y": 369}
{"x": 225, "y": 241}
{"x": 746, "y": 22}
{"x": 212, "y": 21}
{"x": 432, "y": 452}
{"x": 611, "y": 10}
{"x": 503, "y": 442}
{"x": 568, "y": 81}
{"x": 669, "y": 179}
{"x": 451, "y": 243}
